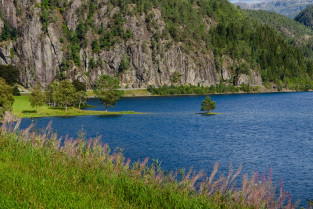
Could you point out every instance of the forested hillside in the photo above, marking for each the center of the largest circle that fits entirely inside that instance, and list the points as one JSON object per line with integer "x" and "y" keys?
{"x": 295, "y": 33}
{"x": 305, "y": 17}
{"x": 164, "y": 42}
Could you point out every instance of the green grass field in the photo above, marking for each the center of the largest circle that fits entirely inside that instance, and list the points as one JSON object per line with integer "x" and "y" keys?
{"x": 23, "y": 109}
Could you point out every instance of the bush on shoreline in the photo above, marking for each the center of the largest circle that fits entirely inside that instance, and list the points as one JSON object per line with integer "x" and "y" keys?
{"x": 39, "y": 169}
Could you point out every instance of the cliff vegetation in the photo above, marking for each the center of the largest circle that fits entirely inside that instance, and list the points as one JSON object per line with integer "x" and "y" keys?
{"x": 143, "y": 43}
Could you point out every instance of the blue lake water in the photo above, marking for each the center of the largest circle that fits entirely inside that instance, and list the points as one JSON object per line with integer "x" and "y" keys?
{"x": 259, "y": 131}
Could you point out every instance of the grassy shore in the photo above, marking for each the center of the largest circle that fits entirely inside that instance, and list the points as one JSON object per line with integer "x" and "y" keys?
{"x": 36, "y": 172}
{"x": 127, "y": 92}
{"x": 23, "y": 109}
{"x": 136, "y": 92}
{"x": 213, "y": 113}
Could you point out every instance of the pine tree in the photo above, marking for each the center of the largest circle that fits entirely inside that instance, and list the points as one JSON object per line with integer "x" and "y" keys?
{"x": 208, "y": 105}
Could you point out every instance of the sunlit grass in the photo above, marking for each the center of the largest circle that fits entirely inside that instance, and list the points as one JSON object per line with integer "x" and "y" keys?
{"x": 136, "y": 92}
{"x": 23, "y": 109}
{"x": 127, "y": 92}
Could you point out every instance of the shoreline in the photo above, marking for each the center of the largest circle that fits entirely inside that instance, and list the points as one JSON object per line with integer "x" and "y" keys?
{"x": 76, "y": 113}
{"x": 129, "y": 93}
{"x": 228, "y": 93}
{"x": 23, "y": 109}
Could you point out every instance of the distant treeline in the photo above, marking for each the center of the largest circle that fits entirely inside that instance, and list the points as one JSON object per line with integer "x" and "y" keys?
{"x": 300, "y": 85}
{"x": 200, "y": 90}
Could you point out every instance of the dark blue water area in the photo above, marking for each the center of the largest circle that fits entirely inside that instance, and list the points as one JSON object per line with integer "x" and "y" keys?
{"x": 259, "y": 131}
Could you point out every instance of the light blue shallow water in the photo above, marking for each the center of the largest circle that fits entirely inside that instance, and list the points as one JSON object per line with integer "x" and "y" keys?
{"x": 259, "y": 131}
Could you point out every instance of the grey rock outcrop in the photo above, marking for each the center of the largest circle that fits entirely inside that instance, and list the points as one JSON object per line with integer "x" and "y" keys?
{"x": 40, "y": 52}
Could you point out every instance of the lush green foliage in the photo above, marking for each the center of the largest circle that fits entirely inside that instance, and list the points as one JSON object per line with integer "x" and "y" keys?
{"x": 8, "y": 32}
{"x": 107, "y": 90}
{"x": 294, "y": 32}
{"x": 16, "y": 91}
{"x": 201, "y": 90}
{"x": 306, "y": 17}
{"x": 51, "y": 88}
{"x": 37, "y": 98}
{"x": 65, "y": 94}
{"x": 23, "y": 109}
{"x": 81, "y": 98}
{"x": 6, "y": 97}
{"x": 208, "y": 105}
{"x": 79, "y": 86}
{"x": 124, "y": 64}
{"x": 285, "y": 25}
{"x": 10, "y": 74}
{"x": 262, "y": 49}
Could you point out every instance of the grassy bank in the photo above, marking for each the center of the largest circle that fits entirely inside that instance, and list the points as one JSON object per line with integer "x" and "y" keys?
{"x": 23, "y": 109}
{"x": 136, "y": 92}
{"x": 36, "y": 172}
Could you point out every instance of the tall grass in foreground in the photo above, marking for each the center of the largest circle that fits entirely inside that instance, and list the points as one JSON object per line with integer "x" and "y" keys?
{"x": 38, "y": 169}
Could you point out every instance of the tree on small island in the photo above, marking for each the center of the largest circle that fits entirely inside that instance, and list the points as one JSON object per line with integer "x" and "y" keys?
{"x": 37, "y": 97}
{"x": 6, "y": 97}
{"x": 107, "y": 91}
{"x": 208, "y": 105}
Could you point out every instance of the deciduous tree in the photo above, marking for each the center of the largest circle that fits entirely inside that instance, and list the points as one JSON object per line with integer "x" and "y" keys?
{"x": 81, "y": 98}
{"x": 79, "y": 86}
{"x": 6, "y": 97}
{"x": 65, "y": 94}
{"x": 51, "y": 88}
{"x": 107, "y": 91}
{"x": 9, "y": 73}
{"x": 37, "y": 98}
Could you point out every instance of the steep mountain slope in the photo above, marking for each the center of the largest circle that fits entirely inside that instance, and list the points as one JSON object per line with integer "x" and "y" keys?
{"x": 289, "y": 8}
{"x": 164, "y": 42}
{"x": 305, "y": 17}
{"x": 296, "y": 33}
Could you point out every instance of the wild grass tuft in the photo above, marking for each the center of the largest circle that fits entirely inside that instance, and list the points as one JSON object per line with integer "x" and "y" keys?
{"x": 39, "y": 169}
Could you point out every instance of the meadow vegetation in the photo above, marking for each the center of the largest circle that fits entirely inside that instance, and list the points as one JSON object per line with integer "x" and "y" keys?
{"x": 23, "y": 109}
{"x": 39, "y": 169}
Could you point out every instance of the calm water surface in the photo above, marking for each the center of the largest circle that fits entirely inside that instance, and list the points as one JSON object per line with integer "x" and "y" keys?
{"x": 259, "y": 131}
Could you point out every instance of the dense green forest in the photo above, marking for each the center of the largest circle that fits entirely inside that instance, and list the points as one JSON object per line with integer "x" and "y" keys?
{"x": 297, "y": 34}
{"x": 200, "y": 90}
{"x": 201, "y": 26}
{"x": 306, "y": 17}
{"x": 281, "y": 23}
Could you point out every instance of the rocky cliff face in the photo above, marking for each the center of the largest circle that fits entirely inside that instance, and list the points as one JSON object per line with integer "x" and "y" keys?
{"x": 40, "y": 52}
